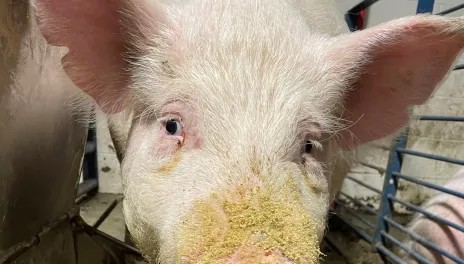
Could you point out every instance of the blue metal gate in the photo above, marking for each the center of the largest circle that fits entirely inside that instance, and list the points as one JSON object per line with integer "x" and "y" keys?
{"x": 378, "y": 233}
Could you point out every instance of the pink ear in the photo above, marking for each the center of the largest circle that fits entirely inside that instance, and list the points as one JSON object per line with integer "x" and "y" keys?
{"x": 390, "y": 67}
{"x": 96, "y": 41}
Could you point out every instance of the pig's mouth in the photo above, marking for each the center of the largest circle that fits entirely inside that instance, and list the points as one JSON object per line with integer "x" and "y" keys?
{"x": 249, "y": 225}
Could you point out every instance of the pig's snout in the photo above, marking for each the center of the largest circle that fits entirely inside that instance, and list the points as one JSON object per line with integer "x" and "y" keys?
{"x": 258, "y": 224}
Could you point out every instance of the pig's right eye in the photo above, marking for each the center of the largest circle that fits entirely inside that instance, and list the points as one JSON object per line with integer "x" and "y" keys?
{"x": 173, "y": 127}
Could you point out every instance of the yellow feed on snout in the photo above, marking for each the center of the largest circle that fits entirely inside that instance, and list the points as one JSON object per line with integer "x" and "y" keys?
{"x": 252, "y": 223}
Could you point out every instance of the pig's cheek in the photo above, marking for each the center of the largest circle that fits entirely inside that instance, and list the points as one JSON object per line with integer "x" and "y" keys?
{"x": 193, "y": 139}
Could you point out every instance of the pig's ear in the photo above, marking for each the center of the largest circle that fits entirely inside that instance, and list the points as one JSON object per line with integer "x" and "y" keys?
{"x": 97, "y": 41}
{"x": 389, "y": 67}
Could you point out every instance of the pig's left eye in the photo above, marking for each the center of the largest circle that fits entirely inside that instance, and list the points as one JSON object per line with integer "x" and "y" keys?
{"x": 173, "y": 127}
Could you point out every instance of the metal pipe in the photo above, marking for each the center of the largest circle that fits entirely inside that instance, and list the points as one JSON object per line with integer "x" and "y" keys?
{"x": 377, "y": 168}
{"x": 442, "y": 118}
{"x": 408, "y": 250}
{"x": 429, "y": 215}
{"x": 364, "y": 185}
{"x": 451, "y": 10}
{"x": 87, "y": 186}
{"x": 353, "y": 213}
{"x": 95, "y": 232}
{"x": 361, "y": 6}
{"x": 429, "y": 185}
{"x": 79, "y": 200}
{"x": 106, "y": 213}
{"x": 458, "y": 67}
{"x": 425, "y": 6}
{"x": 370, "y": 210}
{"x": 423, "y": 241}
{"x": 429, "y": 156}
{"x": 389, "y": 254}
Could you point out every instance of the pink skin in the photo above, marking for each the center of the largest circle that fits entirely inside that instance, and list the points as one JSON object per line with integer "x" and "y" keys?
{"x": 451, "y": 240}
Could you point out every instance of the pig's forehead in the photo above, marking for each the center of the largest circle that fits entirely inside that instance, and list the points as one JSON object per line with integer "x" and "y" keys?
{"x": 262, "y": 84}
{"x": 274, "y": 84}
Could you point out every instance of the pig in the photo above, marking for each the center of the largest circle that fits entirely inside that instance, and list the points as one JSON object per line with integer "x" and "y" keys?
{"x": 242, "y": 116}
{"x": 449, "y": 207}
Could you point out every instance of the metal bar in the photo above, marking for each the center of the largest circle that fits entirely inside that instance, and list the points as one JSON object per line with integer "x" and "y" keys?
{"x": 358, "y": 203}
{"x": 430, "y": 156}
{"x": 425, "y": 6}
{"x": 364, "y": 185}
{"x": 358, "y": 230}
{"x": 361, "y": 6}
{"x": 405, "y": 248}
{"x": 442, "y": 118}
{"x": 352, "y": 15}
{"x": 353, "y": 213}
{"x": 389, "y": 254}
{"x": 81, "y": 199}
{"x": 458, "y": 67}
{"x": 351, "y": 21}
{"x": 377, "y": 168}
{"x": 87, "y": 186}
{"x": 390, "y": 187}
{"x": 105, "y": 214}
{"x": 423, "y": 241}
{"x": 429, "y": 215}
{"x": 95, "y": 232}
{"x": 429, "y": 185}
{"x": 451, "y": 10}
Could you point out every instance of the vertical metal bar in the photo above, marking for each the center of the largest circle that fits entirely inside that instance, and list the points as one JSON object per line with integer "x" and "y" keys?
{"x": 390, "y": 187}
{"x": 352, "y": 15}
{"x": 350, "y": 20}
{"x": 425, "y": 6}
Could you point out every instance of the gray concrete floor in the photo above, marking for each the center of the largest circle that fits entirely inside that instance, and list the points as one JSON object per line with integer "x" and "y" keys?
{"x": 93, "y": 208}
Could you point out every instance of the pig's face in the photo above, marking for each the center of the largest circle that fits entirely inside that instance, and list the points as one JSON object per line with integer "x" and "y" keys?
{"x": 234, "y": 155}
{"x": 241, "y": 116}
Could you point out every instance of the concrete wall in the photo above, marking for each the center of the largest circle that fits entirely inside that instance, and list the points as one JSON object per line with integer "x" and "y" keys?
{"x": 441, "y": 138}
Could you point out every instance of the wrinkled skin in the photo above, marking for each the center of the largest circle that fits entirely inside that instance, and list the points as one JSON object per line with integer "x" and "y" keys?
{"x": 244, "y": 113}
{"x": 449, "y": 207}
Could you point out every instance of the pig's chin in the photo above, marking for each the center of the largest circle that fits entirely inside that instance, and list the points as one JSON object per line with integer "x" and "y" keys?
{"x": 262, "y": 224}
